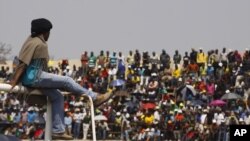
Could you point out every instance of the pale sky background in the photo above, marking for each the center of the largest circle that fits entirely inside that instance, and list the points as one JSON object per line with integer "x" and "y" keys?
{"x": 123, "y": 25}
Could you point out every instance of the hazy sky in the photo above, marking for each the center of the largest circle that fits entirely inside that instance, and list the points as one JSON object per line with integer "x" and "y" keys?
{"x": 123, "y": 25}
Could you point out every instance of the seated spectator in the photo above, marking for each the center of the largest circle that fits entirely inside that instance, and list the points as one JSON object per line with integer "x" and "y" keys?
{"x": 147, "y": 118}
{"x": 153, "y": 84}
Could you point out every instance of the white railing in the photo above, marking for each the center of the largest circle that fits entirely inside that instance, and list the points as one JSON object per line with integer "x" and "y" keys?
{"x": 48, "y": 126}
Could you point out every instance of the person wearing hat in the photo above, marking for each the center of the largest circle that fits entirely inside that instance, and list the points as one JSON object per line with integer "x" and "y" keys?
{"x": 32, "y": 72}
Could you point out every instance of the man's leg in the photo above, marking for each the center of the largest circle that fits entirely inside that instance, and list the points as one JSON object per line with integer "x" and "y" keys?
{"x": 57, "y": 101}
{"x": 53, "y": 81}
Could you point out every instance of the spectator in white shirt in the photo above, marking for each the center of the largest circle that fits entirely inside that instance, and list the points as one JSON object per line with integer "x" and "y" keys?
{"x": 77, "y": 117}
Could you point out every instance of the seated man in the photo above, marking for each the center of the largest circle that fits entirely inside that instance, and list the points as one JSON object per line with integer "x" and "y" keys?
{"x": 32, "y": 72}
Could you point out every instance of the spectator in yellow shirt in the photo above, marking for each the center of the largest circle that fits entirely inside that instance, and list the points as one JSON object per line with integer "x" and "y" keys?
{"x": 148, "y": 118}
{"x": 201, "y": 58}
{"x": 176, "y": 74}
{"x": 129, "y": 73}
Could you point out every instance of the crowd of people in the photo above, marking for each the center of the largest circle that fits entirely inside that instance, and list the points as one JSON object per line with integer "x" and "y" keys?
{"x": 157, "y": 97}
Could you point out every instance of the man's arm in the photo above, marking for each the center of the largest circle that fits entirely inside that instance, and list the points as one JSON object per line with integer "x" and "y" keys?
{"x": 17, "y": 74}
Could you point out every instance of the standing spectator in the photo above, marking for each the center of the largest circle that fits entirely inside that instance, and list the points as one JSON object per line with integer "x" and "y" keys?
{"x": 126, "y": 127}
{"x": 237, "y": 57}
{"x": 178, "y": 124}
{"x": 113, "y": 60}
{"x": 154, "y": 58}
{"x": 210, "y": 88}
{"x": 201, "y": 58}
{"x": 186, "y": 60}
{"x": 92, "y": 60}
{"x": 193, "y": 55}
{"x": 86, "y": 123}
{"x": 223, "y": 58}
{"x": 130, "y": 58}
{"x": 164, "y": 60}
{"x": 145, "y": 58}
{"x": 68, "y": 123}
{"x": 121, "y": 57}
{"x": 85, "y": 60}
{"x": 192, "y": 69}
{"x": 137, "y": 58}
{"x": 121, "y": 69}
{"x": 177, "y": 57}
{"x": 103, "y": 129}
{"x": 101, "y": 59}
{"x": 222, "y": 132}
{"x": 217, "y": 60}
{"x": 77, "y": 117}
{"x": 118, "y": 122}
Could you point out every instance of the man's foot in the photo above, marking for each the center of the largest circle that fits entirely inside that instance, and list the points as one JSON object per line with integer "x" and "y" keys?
{"x": 102, "y": 98}
{"x": 61, "y": 136}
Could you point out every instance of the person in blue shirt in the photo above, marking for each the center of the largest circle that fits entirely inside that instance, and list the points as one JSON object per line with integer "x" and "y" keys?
{"x": 31, "y": 115}
{"x": 68, "y": 123}
{"x": 210, "y": 71}
{"x": 121, "y": 69}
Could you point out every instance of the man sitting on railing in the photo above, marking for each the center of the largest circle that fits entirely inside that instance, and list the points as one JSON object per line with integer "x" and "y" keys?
{"x": 32, "y": 72}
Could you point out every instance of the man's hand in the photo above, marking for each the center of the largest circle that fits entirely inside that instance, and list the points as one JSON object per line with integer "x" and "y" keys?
{"x": 17, "y": 75}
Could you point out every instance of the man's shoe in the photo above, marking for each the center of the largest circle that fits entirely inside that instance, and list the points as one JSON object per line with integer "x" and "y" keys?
{"x": 102, "y": 98}
{"x": 61, "y": 136}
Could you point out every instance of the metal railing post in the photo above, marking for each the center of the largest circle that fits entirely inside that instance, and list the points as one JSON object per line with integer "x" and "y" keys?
{"x": 48, "y": 125}
{"x": 92, "y": 112}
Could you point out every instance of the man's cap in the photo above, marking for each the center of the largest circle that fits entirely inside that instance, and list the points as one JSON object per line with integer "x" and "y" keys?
{"x": 40, "y": 25}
